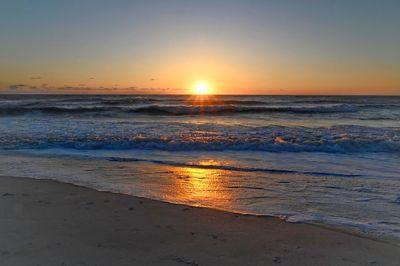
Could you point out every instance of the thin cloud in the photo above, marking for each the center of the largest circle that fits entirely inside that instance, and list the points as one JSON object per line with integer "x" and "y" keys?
{"x": 82, "y": 88}
{"x": 18, "y": 86}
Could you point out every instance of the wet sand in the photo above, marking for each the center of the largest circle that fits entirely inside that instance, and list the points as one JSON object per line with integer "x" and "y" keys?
{"x": 44, "y": 222}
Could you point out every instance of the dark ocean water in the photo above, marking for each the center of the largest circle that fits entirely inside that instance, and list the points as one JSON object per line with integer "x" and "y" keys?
{"x": 319, "y": 159}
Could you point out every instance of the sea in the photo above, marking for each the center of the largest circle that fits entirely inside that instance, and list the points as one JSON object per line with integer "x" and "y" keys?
{"x": 326, "y": 160}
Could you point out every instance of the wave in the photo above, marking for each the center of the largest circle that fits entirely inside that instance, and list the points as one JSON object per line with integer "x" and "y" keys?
{"x": 217, "y": 102}
{"x": 55, "y": 110}
{"x": 172, "y": 136}
{"x": 180, "y": 105}
{"x": 343, "y": 146}
{"x": 179, "y": 101}
{"x": 231, "y": 168}
{"x": 93, "y": 134}
{"x": 173, "y": 110}
{"x": 177, "y": 110}
{"x": 129, "y": 101}
{"x": 232, "y": 109}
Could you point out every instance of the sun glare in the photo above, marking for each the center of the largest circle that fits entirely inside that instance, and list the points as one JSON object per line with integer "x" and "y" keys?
{"x": 201, "y": 88}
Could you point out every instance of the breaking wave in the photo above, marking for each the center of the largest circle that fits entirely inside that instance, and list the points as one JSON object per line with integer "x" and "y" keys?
{"x": 191, "y": 137}
{"x": 177, "y": 110}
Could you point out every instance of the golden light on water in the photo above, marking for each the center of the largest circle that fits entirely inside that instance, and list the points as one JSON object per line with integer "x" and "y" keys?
{"x": 200, "y": 186}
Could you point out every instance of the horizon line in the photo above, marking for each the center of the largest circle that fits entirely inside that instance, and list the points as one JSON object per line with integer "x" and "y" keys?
{"x": 189, "y": 94}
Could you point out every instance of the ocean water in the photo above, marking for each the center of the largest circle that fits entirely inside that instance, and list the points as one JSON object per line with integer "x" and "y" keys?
{"x": 326, "y": 160}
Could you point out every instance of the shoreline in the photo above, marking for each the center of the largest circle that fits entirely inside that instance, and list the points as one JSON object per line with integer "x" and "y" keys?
{"x": 47, "y": 222}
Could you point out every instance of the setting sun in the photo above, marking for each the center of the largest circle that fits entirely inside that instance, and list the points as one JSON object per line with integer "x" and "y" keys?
{"x": 201, "y": 88}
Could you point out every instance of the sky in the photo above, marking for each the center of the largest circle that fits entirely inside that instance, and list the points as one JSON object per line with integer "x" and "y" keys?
{"x": 167, "y": 46}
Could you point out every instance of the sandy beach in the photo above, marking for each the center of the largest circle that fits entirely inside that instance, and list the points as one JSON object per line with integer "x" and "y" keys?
{"x": 44, "y": 222}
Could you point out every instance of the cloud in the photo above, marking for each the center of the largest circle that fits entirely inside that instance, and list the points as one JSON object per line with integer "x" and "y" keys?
{"x": 36, "y": 78}
{"x": 113, "y": 89}
{"x": 17, "y": 86}
{"x": 83, "y": 88}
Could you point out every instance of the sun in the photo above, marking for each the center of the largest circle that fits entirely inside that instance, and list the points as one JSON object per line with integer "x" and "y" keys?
{"x": 201, "y": 88}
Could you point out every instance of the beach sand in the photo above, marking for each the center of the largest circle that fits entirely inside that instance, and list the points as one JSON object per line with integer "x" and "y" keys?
{"x": 44, "y": 222}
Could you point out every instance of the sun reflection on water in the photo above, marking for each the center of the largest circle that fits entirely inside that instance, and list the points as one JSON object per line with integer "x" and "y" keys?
{"x": 200, "y": 186}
